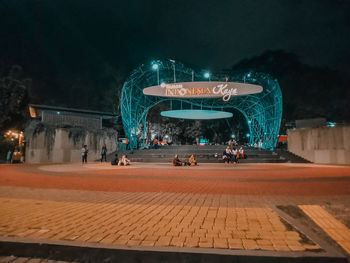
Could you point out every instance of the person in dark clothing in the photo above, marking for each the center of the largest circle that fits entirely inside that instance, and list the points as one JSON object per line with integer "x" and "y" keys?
{"x": 115, "y": 160}
{"x": 176, "y": 161}
{"x": 9, "y": 156}
{"x": 104, "y": 153}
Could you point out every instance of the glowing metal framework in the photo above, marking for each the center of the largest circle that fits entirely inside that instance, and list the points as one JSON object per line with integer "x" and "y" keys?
{"x": 262, "y": 111}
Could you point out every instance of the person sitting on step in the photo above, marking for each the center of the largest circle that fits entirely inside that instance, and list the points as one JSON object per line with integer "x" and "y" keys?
{"x": 115, "y": 161}
{"x": 176, "y": 160}
{"x": 227, "y": 155}
{"x": 124, "y": 161}
{"x": 234, "y": 155}
{"x": 241, "y": 154}
{"x": 192, "y": 160}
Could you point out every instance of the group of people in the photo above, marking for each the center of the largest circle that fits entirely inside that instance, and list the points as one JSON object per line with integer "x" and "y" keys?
{"x": 233, "y": 155}
{"x": 14, "y": 156}
{"x": 116, "y": 161}
{"x": 124, "y": 161}
{"x": 191, "y": 161}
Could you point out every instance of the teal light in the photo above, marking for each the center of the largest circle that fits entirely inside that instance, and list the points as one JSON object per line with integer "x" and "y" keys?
{"x": 155, "y": 66}
{"x": 247, "y": 135}
{"x": 262, "y": 111}
{"x": 233, "y": 136}
{"x": 196, "y": 114}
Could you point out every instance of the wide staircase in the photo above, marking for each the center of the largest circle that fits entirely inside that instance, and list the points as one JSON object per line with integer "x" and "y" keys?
{"x": 206, "y": 154}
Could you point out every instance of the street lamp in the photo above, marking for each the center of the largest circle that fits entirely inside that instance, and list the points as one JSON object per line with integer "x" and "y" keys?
{"x": 207, "y": 75}
{"x": 155, "y": 66}
{"x": 174, "y": 67}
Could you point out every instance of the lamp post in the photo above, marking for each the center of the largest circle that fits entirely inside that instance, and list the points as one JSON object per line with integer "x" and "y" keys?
{"x": 207, "y": 75}
{"x": 173, "y": 61}
{"x": 155, "y": 66}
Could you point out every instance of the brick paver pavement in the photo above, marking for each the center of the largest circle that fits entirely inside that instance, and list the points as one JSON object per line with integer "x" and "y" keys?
{"x": 205, "y": 207}
{"x": 335, "y": 229}
{"x": 162, "y": 219}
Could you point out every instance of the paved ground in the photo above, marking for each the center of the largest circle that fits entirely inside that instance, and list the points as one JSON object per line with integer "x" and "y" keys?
{"x": 263, "y": 209}
{"x": 13, "y": 259}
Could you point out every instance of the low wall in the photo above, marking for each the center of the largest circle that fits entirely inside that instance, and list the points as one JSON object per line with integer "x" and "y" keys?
{"x": 61, "y": 145}
{"x": 328, "y": 145}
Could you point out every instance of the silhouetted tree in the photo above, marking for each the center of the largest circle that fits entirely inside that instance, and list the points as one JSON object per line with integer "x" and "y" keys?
{"x": 307, "y": 91}
{"x": 13, "y": 98}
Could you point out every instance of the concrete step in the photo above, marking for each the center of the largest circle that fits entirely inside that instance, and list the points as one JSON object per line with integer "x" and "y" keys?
{"x": 204, "y": 154}
{"x": 165, "y": 160}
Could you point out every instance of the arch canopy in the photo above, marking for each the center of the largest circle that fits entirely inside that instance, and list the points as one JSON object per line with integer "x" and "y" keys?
{"x": 256, "y": 95}
{"x": 196, "y": 114}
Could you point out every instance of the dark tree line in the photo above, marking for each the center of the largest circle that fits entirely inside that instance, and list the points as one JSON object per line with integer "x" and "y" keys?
{"x": 13, "y": 98}
{"x": 308, "y": 91}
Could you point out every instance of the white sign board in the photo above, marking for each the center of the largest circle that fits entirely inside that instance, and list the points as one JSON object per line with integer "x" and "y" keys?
{"x": 202, "y": 89}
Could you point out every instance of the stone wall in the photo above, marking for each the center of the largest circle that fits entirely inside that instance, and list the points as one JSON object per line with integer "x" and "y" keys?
{"x": 58, "y": 145}
{"x": 329, "y": 145}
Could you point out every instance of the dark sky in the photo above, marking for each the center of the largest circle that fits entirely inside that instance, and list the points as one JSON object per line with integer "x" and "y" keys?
{"x": 66, "y": 36}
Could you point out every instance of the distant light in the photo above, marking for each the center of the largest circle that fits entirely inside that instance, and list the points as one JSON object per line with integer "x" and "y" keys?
{"x": 58, "y": 113}
{"x": 248, "y": 135}
{"x": 207, "y": 75}
{"x": 162, "y": 84}
{"x": 331, "y": 124}
{"x": 249, "y": 121}
{"x": 155, "y": 66}
{"x": 233, "y": 136}
{"x": 249, "y": 74}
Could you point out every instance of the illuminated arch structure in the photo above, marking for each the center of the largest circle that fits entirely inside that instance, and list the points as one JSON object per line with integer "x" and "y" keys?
{"x": 263, "y": 111}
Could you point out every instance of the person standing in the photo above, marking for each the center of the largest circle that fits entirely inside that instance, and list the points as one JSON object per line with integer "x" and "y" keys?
{"x": 104, "y": 153}
{"x": 127, "y": 144}
{"x": 84, "y": 154}
{"x": 9, "y": 156}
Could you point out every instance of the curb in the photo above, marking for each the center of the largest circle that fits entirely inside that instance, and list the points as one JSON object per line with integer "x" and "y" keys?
{"x": 91, "y": 252}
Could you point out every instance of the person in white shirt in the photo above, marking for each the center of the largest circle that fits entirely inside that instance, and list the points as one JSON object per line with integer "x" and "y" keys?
{"x": 234, "y": 155}
{"x": 84, "y": 154}
{"x": 124, "y": 161}
{"x": 227, "y": 155}
{"x": 240, "y": 154}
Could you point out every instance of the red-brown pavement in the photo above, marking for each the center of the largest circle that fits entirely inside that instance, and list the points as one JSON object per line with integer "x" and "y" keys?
{"x": 211, "y": 206}
{"x": 255, "y": 179}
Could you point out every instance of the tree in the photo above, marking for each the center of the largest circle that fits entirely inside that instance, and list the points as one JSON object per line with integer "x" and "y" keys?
{"x": 13, "y": 98}
{"x": 308, "y": 91}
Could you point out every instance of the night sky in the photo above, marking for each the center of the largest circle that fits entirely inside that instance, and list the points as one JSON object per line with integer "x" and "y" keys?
{"x": 60, "y": 41}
